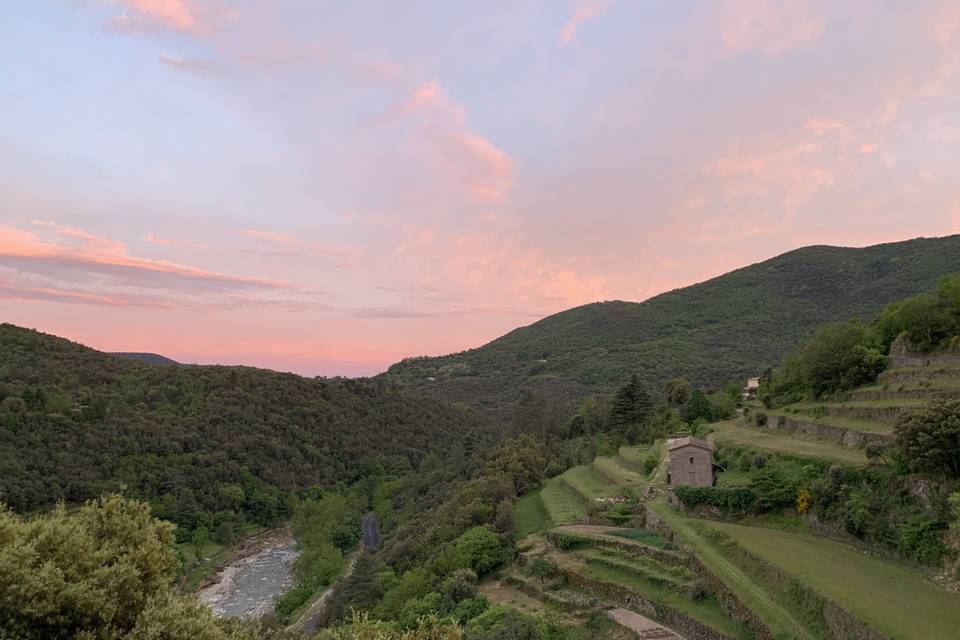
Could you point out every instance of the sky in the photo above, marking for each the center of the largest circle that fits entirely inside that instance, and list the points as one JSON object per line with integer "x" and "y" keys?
{"x": 328, "y": 187}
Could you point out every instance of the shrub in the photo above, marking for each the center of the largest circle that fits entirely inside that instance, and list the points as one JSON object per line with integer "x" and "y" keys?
{"x": 730, "y": 499}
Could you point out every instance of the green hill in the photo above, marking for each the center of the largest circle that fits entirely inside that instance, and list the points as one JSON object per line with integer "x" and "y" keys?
{"x": 724, "y": 329}
{"x": 75, "y": 421}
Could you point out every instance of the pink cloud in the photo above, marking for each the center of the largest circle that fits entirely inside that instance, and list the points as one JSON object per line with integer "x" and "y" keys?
{"x": 766, "y": 27}
{"x": 584, "y": 10}
{"x": 98, "y": 258}
{"x": 188, "y": 16}
{"x": 485, "y": 171}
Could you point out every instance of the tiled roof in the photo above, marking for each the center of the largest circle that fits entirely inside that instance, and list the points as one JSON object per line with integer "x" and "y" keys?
{"x": 688, "y": 441}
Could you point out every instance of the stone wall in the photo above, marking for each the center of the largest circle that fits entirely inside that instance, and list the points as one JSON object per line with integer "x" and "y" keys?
{"x": 914, "y": 360}
{"x": 847, "y": 437}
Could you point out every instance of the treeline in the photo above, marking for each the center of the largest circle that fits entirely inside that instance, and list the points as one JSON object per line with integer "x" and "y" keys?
{"x": 203, "y": 444}
{"x": 846, "y": 355}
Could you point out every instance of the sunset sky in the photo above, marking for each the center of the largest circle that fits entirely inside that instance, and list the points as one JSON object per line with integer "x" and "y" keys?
{"x": 327, "y": 187}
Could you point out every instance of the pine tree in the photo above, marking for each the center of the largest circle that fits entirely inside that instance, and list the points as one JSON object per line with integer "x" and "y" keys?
{"x": 631, "y": 409}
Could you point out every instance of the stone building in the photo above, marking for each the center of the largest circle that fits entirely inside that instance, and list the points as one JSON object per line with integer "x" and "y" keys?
{"x": 691, "y": 462}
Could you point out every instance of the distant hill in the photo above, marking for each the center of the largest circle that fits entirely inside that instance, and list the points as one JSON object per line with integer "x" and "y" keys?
{"x": 75, "y": 422}
{"x": 149, "y": 358}
{"x": 722, "y": 330}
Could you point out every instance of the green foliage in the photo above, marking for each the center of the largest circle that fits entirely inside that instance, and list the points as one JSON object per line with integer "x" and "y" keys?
{"x": 75, "y": 422}
{"x": 838, "y": 357}
{"x": 630, "y": 411}
{"x": 698, "y": 407}
{"x": 930, "y": 440}
{"x": 729, "y": 499}
{"x": 927, "y": 320}
{"x": 482, "y": 549}
{"x": 677, "y": 392}
{"x": 224, "y": 534}
{"x": 103, "y": 572}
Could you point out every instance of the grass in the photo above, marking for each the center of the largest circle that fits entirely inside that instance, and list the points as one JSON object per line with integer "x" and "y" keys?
{"x": 766, "y": 607}
{"x": 647, "y": 537}
{"x": 776, "y": 440}
{"x": 587, "y": 483}
{"x": 561, "y": 504}
{"x": 642, "y": 568}
{"x": 945, "y": 384}
{"x": 529, "y": 515}
{"x": 896, "y": 601}
{"x": 616, "y": 473}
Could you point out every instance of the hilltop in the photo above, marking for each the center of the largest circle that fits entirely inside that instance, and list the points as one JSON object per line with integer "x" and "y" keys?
{"x": 727, "y": 328}
{"x": 149, "y": 358}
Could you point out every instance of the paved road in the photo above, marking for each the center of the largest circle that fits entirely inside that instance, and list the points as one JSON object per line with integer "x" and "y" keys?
{"x": 371, "y": 540}
{"x": 371, "y": 532}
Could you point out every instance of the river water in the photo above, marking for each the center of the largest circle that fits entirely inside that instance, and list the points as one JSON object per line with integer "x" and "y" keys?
{"x": 250, "y": 584}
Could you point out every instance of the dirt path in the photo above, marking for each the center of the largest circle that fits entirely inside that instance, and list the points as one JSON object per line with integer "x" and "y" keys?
{"x": 644, "y": 627}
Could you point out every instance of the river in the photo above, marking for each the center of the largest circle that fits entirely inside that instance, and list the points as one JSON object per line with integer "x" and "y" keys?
{"x": 260, "y": 572}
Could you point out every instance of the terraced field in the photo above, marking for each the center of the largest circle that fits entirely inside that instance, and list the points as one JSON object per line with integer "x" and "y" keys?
{"x": 565, "y": 498}
{"x": 561, "y": 503}
{"x": 782, "y": 441}
{"x": 530, "y": 515}
{"x": 662, "y": 578}
{"x": 895, "y": 600}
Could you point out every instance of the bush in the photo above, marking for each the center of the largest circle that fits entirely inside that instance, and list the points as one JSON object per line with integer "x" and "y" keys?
{"x": 482, "y": 549}
{"x": 730, "y": 499}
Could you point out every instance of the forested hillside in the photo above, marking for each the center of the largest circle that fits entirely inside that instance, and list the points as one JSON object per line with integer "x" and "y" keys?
{"x": 711, "y": 333}
{"x": 75, "y": 422}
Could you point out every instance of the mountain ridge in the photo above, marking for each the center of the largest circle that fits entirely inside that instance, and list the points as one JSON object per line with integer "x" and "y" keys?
{"x": 690, "y": 332}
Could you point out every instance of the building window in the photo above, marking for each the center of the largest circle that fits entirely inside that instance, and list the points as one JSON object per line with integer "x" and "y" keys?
{"x": 691, "y": 459}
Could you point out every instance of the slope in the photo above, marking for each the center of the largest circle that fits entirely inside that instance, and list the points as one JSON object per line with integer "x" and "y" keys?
{"x": 75, "y": 421}
{"x": 724, "y": 329}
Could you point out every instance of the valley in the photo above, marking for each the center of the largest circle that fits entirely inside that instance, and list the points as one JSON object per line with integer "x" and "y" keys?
{"x": 265, "y": 505}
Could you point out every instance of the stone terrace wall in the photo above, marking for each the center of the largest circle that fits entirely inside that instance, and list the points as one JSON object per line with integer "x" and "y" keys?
{"x": 847, "y": 437}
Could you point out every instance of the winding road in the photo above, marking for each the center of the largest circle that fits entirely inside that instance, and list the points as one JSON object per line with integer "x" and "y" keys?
{"x": 371, "y": 540}
{"x": 371, "y": 532}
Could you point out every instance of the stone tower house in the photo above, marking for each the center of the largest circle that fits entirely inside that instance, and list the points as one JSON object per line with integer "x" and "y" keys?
{"x": 691, "y": 462}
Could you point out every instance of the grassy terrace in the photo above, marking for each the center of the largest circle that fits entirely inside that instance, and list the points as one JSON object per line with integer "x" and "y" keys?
{"x": 561, "y": 504}
{"x": 530, "y": 515}
{"x": 772, "y": 612}
{"x": 898, "y": 602}
{"x": 853, "y": 424}
{"x": 588, "y": 484}
{"x": 773, "y": 440}
{"x": 611, "y": 469}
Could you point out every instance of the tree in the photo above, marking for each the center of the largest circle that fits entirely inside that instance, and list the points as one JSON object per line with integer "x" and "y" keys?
{"x": 930, "y": 440}
{"x": 199, "y": 540}
{"x": 677, "y": 392}
{"x": 542, "y": 568}
{"x": 103, "y": 572}
{"x": 631, "y": 409}
{"x": 224, "y": 534}
{"x": 481, "y": 548}
{"x": 698, "y": 407}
